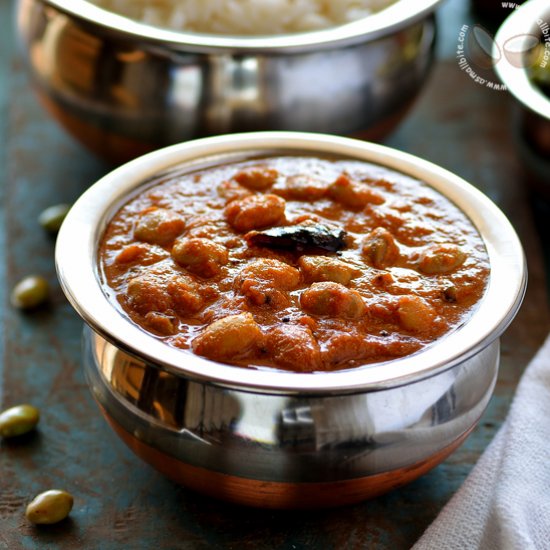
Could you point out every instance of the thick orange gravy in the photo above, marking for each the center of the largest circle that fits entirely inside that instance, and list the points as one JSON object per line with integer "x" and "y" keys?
{"x": 294, "y": 263}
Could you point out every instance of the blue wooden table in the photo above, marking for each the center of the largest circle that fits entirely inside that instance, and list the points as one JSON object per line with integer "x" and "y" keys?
{"x": 121, "y": 502}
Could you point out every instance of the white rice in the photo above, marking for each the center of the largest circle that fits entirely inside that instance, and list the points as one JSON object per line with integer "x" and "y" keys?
{"x": 245, "y": 17}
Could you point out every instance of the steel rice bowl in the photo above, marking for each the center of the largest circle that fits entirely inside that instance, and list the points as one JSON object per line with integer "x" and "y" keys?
{"x": 124, "y": 88}
{"x": 281, "y": 439}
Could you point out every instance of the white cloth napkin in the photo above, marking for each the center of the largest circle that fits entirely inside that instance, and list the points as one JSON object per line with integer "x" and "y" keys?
{"x": 504, "y": 504}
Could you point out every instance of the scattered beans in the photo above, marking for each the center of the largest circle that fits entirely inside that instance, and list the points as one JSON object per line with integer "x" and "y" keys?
{"x": 18, "y": 420}
{"x": 30, "y": 292}
{"x": 52, "y": 217}
{"x": 49, "y": 507}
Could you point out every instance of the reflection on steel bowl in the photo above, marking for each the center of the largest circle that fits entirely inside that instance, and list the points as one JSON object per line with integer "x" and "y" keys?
{"x": 274, "y": 438}
{"x": 527, "y": 85}
{"x": 124, "y": 88}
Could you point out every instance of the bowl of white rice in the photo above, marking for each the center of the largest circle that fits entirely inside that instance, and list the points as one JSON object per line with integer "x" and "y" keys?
{"x": 130, "y": 76}
{"x": 245, "y": 17}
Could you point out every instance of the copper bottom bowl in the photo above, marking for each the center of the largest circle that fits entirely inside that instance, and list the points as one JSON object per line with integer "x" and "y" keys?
{"x": 283, "y": 439}
{"x": 323, "y": 451}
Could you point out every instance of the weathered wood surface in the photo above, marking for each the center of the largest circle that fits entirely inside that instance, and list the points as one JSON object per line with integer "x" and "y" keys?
{"x": 121, "y": 502}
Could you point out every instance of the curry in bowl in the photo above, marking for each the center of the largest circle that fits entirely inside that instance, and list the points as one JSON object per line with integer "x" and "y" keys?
{"x": 290, "y": 320}
{"x": 295, "y": 263}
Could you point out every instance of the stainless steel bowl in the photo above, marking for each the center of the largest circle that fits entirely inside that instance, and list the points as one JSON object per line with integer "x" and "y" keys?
{"x": 280, "y": 439}
{"x": 124, "y": 88}
{"x": 533, "y": 119}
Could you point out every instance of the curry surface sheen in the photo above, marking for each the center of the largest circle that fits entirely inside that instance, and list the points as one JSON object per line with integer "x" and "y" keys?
{"x": 294, "y": 263}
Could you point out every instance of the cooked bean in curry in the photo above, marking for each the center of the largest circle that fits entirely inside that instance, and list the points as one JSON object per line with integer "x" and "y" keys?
{"x": 294, "y": 263}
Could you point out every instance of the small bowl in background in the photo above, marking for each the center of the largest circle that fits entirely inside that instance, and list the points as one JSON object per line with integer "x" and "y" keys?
{"x": 532, "y": 122}
{"x": 282, "y": 439}
{"x": 124, "y": 88}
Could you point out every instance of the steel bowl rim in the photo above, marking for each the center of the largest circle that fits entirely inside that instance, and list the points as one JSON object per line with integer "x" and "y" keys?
{"x": 76, "y": 264}
{"x": 516, "y": 80}
{"x": 392, "y": 19}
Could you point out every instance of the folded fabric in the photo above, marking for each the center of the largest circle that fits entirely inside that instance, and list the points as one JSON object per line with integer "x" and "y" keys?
{"x": 505, "y": 501}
